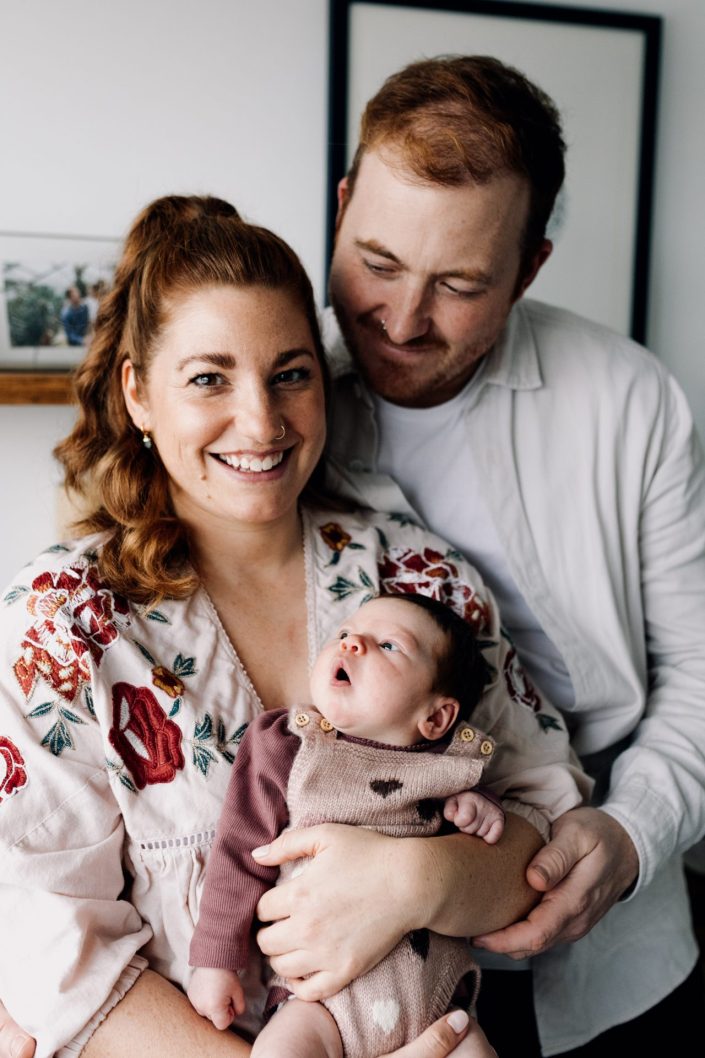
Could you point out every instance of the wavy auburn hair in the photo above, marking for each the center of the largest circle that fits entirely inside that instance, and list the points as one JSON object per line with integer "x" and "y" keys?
{"x": 175, "y": 246}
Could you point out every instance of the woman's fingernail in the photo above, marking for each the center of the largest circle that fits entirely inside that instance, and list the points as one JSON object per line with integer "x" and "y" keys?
{"x": 458, "y": 1020}
{"x": 18, "y": 1044}
{"x": 261, "y": 851}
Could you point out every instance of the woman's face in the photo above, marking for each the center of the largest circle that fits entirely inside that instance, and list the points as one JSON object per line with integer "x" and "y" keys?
{"x": 231, "y": 366}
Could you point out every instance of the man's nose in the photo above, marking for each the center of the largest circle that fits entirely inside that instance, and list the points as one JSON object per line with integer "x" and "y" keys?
{"x": 408, "y": 314}
{"x": 352, "y": 644}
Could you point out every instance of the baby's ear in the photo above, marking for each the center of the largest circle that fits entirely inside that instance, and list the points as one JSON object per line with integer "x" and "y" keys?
{"x": 441, "y": 717}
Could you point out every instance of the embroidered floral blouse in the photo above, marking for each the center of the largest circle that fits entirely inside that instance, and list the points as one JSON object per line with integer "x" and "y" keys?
{"x": 118, "y": 728}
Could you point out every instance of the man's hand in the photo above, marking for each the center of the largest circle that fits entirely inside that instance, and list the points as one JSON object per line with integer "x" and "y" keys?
{"x": 588, "y": 864}
{"x": 344, "y": 912}
{"x": 14, "y": 1041}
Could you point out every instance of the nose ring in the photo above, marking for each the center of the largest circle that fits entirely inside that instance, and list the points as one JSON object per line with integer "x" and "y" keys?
{"x": 383, "y": 326}
{"x": 280, "y": 436}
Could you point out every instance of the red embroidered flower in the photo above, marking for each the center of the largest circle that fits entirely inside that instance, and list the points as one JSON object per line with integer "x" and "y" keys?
{"x": 78, "y": 617}
{"x": 144, "y": 736}
{"x": 335, "y": 536}
{"x": 167, "y": 681}
{"x": 12, "y": 773}
{"x": 519, "y": 686}
{"x": 431, "y": 573}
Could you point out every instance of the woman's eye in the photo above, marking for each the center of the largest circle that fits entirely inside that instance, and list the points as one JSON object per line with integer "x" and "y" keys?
{"x": 291, "y": 376}
{"x": 386, "y": 645}
{"x": 207, "y": 380}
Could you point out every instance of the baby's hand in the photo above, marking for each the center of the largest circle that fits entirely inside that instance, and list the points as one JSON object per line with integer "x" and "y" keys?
{"x": 473, "y": 813}
{"x": 217, "y": 994}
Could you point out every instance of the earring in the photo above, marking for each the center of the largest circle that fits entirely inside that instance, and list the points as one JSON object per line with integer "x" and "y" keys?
{"x": 383, "y": 326}
{"x": 146, "y": 439}
{"x": 280, "y": 436}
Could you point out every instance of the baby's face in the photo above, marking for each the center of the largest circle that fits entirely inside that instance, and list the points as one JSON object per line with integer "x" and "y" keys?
{"x": 374, "y": 679}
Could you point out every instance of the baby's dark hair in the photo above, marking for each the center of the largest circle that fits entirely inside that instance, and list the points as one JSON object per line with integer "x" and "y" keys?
{"x": 461, "y": 670}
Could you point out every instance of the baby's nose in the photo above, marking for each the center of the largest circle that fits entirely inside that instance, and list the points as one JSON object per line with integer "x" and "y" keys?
{"x": 353, "y": 644}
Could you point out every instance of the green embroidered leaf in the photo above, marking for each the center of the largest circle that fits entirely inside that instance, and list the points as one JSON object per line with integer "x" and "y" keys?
{"x": 40, "y": 710}
{"x": 365, "y": 578}
{"x": 203, "y": 758}
{"x": 356, "y": 547}
{"x": 342, "y": 587}
{"x": 184, "y": 666}
{"x": 16, "y": 592}
{"x": 366, "y": 598}
{"x": 401, "y": 519}
{"x": 111, "y": 765}
{"x": 127, "y": 781}
{"x": 156, "y": 615}
{"x": 335, "y": 558}
{"x": 178, "y": 702}
{"x": 144, "y": 652}
{"x": 89, "y": 701}
{"x": 236, "y": 737}
{"x": 58, "y": 738}
{"x": 548, "y": 723}
{"x": 71, "y": 717}
{"x": 382, "y": 538}
{"x": 220, "y": 732}
{"x": 204, "y": 730}
{"x": 227, "y": 755}
{"x": 55, "y": 548}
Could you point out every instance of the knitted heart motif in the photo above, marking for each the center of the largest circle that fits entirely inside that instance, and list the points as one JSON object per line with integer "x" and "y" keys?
{"x": 385, "y": 1013}
{"x": 384, "y": 787}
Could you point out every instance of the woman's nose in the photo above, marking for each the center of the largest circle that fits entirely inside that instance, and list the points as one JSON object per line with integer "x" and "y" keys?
{"x": 352, "y": 644}
{"x": 256, "y": 416}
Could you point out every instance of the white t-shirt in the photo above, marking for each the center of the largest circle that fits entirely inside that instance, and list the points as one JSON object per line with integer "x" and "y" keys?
{"x": 432, "y": 447}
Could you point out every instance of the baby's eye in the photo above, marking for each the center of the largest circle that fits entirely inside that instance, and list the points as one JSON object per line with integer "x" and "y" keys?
{"x": 342, "y": 635}
{"x": 386, "y": 645}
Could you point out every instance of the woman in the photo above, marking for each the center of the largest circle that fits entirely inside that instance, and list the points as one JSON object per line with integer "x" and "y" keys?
{"x": 135, "y": 657}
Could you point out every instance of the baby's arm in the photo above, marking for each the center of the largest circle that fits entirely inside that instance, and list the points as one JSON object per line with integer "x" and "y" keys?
{"x": 473, "y": 812}
{"x": 217, "y": 995}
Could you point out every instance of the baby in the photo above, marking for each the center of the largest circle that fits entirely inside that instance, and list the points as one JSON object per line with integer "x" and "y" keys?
{"x": 385, "y": 741}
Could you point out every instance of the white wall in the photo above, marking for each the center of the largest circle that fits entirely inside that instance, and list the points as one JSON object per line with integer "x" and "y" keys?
{"x": 104, "y": 106}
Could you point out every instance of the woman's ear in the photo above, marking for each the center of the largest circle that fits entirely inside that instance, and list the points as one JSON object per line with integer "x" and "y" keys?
{"x": 135, "y": 402}
{"x": 443, "y": 714}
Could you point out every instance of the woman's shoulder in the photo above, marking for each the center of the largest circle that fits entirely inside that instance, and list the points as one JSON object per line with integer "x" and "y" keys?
{"x": 364, "y": 552}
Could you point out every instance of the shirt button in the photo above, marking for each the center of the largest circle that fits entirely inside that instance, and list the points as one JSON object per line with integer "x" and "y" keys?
{"x": 486, "y": 748}
{"x": 467, "y": 734}
{"x": 301, "y": 719}
{"x": 325, "y": 725}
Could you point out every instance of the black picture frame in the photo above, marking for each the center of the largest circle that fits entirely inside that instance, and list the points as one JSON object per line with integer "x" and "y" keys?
{"x": 630, "y": 42}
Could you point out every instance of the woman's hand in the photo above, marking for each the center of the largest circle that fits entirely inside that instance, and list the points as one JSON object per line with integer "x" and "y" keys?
{"x": 346, "y": 910}
{"x": 441, "y": 1039}
{"x": 14, "y": 1041}
{"x": 585, "y": 868}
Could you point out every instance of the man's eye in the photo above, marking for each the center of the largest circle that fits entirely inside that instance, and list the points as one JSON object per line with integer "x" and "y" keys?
{"x": 386, "y": 645}
{"x": 378, "y": 269}
{"x": 459, "y": 292}
{"x": 291, "y": 376}
{"x": 207, "y": 380}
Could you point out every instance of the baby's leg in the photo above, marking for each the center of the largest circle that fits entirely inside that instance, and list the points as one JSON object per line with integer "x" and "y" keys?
{"x": 299, "y": 1030}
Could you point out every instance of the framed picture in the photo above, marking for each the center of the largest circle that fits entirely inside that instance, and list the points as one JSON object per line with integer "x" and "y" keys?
{"x": 601, "y": 70}
{"x": 50, "y": 289}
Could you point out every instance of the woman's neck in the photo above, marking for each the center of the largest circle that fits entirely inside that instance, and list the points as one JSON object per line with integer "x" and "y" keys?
{"x": 238, "y": 552}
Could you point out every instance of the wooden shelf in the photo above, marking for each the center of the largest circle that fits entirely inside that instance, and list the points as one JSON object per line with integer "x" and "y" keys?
{"x": 34, "y": 388}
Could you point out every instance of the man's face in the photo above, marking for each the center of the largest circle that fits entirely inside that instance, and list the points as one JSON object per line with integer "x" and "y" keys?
{"x": 439, "y": 266}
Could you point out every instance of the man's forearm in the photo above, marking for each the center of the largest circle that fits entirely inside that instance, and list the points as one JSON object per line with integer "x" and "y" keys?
{"x": 467, "y": 887}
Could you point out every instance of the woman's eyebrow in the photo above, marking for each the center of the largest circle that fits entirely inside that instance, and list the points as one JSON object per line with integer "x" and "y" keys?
{"x": 228, "y": 361}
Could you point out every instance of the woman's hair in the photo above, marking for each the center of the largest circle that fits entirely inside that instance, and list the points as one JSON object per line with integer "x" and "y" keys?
{"x": 177, "y": 244}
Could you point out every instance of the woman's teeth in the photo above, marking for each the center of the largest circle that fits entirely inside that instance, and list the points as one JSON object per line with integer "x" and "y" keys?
{"x": 253, "y": 464}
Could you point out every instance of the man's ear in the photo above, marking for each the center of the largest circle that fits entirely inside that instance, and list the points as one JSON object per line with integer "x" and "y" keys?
{"x": 443, "y": 714}
{"x": 535, "y": 265}
{"x": 135, "y": 403}
{"x": 343, "y": 201}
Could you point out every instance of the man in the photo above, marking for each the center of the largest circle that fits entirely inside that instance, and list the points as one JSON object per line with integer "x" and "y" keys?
{"x": 560, "y": 458}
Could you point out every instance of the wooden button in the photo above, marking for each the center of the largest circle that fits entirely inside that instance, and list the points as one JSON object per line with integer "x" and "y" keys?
{"x": 486, "y": 748}
{"x": 467, "y": 734}
{"x": 301, "y": 719}
{"x": 325, "y": 724}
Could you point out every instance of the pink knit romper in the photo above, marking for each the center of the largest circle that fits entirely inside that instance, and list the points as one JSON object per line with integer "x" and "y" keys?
{"x": 397, "y": 791}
